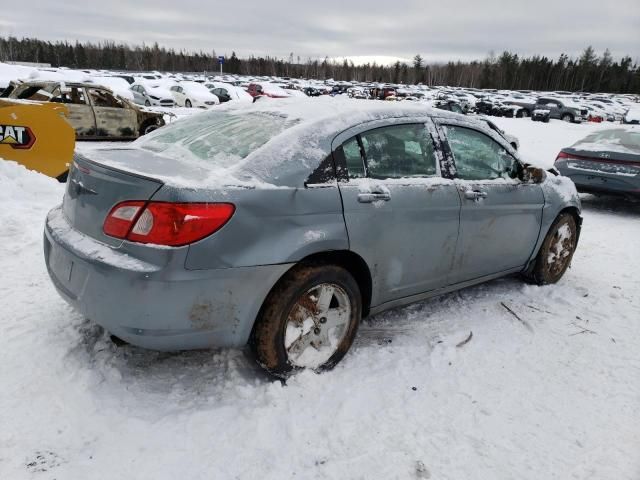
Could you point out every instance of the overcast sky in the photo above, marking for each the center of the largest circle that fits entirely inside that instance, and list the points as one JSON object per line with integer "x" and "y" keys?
{"x": 439, "y": 31}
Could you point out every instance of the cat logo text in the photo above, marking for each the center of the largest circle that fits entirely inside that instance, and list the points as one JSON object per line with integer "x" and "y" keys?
{"x": 16, "y": 136}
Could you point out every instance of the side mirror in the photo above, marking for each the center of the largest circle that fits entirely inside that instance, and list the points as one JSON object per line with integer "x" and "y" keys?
{"x": 531, "y": 174}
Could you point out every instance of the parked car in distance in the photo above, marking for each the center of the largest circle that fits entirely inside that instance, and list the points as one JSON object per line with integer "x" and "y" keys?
{"x": 449, "y": 105}
{"x": 607, "y": 161}
{"x": 283, "y": 225}
{"x": 149, "y": 95}
{"x": 632, "y": 117}
{"x": 95, "y": 112}
{"x": 562, "y": 109}
{"x": 541, "y": 115}
{"x": 266, "y": 90}
{"x": 226, "y": 92}
{"x": 193, "y": 94}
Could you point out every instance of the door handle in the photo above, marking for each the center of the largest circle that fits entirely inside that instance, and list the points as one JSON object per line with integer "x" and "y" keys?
{"x": 475, "y": 194}
{"x": 373, "y": 197}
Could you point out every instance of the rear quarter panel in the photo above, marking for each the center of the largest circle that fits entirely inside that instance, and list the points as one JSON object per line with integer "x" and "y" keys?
{"x": 269, "y": 226}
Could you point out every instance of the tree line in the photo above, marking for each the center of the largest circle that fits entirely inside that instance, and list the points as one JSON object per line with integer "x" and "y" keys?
{"x": 589, "y": 72}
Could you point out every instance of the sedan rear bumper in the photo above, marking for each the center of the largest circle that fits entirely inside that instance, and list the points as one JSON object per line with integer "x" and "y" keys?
{"x": 592, "y": 180}
{"x": 160, "y": 307}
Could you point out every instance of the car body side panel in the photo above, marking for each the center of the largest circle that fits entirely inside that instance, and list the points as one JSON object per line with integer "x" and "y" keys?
{"x": 117, "y": 123}
{"x": 559, "y": 194}
{"x": 270, "y": 226}
{"x": 499, "y": 232}
{"x": 83, "y": 120}
{"x": 409, "y": 241}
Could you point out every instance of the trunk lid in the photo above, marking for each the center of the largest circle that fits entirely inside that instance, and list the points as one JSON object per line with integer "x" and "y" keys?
{"x": 92, "y": 191}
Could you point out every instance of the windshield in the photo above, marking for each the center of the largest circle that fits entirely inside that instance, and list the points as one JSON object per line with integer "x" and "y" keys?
{"x": 220, "y": 139}
{"x": 34, "y": 92}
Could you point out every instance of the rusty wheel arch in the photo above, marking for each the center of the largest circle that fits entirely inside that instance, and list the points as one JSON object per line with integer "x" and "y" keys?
{"x": 350, "y": 261}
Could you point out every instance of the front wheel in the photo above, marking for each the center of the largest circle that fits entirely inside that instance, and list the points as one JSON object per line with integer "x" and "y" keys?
{"x": 567, "y": 117}
{"x": 556, "y": 251}
{"x": 309, "y": 320}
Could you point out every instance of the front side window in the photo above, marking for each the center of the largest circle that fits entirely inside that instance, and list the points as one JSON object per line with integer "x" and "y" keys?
{"x": 399, "y": 151}
{"x": 478, "y": 156}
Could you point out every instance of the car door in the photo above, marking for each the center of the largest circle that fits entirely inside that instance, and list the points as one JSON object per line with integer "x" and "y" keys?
{"x": 500, "y": 216}
{"x": 401, "y": 215}
{"x": 114, "y": 118}
{"x": 81, "y": 116}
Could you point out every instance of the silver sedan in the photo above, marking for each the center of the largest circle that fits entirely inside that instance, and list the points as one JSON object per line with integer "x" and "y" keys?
{"x": 283, "y": 224}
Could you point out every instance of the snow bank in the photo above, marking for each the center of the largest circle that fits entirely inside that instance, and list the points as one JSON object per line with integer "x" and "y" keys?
{"x": 25, "y": 196}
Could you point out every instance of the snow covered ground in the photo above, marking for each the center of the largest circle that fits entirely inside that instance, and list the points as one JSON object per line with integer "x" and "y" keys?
{"x": 547, "y": 387}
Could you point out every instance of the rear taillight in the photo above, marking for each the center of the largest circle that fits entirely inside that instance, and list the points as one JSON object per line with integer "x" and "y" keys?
{"x": 164, "y": 223}
{"x": 562, "y": 155}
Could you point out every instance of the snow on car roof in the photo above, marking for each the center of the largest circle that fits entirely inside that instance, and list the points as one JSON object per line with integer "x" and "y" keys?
{"x": 259, "y": 153}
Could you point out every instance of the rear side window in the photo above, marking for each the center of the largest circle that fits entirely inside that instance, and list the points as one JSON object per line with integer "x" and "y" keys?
{"x": 397, "y": 151}
{"x": 220, "y": 139}
{"x": 478, "y": 156}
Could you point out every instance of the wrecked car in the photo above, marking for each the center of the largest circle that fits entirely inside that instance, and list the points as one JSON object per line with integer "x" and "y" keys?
{"x": 95, "y": 112}
{"x": 283, "y": 225}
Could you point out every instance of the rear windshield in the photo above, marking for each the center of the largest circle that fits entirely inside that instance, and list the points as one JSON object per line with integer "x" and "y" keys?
{"x": 218, "y": 138}
{"x": 623, "y": 141}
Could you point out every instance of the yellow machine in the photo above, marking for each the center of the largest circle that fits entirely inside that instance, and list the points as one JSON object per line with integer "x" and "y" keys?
{"x": 37, "y": 135}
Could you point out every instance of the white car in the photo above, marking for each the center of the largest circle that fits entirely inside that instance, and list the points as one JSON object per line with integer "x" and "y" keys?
{"x": 227, "y": 92}
{"x": 632, "y": 116}
{"x": 192, "y": 94}
{"x": 148, "y": 94}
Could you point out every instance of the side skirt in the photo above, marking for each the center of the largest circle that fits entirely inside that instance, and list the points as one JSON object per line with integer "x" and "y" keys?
{"x": 402, "y": 302}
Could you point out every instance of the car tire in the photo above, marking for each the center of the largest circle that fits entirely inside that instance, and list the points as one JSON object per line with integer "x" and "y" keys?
{"x": 556, "y": 251}
{"x": 525, "y": 113}
{"x": 294, "y": 331}
{"x": 147, "y": 103}
{"x": 567, "y": 117}
{"x": 187, "y": 103}
{"x": 148, "y": 128}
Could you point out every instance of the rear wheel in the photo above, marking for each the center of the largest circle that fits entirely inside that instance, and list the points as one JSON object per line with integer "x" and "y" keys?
{"x": 556, "y": 251}
{"x": 187, "y": 103}
{"x": 309, "y": 320}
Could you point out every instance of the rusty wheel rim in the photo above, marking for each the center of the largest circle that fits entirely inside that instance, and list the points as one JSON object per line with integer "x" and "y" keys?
{"x": 560, "y": 249}
{"x": 316, "y": 325}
